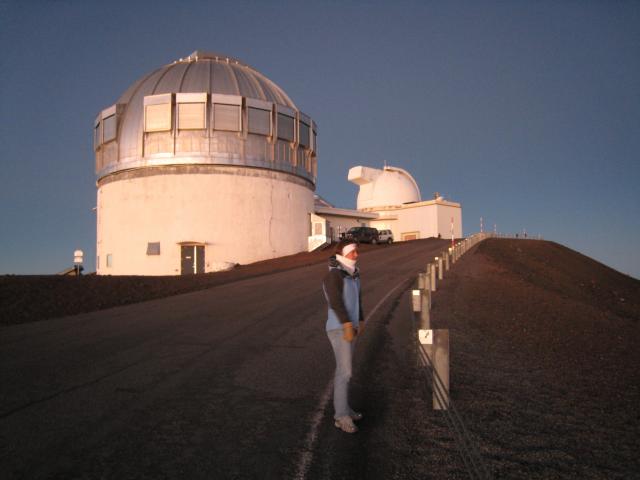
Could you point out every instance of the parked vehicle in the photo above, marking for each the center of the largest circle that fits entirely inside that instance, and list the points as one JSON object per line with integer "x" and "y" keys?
{"x": 385, "y": 236}
{"x": 363, "y": 234}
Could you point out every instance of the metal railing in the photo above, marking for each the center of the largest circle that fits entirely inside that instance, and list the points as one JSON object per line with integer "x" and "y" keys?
{"x": 432, "y": 348}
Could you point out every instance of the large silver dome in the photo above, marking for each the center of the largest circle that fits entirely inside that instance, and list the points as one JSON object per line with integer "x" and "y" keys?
{"x": 206, "y": 108}
{"x": 208, "y": 72}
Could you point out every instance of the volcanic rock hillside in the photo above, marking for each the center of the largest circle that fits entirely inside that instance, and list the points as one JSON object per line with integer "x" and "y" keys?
{"x": 545, "y": 370}
{"x": 545, "y": 366}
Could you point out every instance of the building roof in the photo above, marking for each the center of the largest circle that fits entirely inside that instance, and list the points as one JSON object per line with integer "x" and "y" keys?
{"x": 344, "y": 212}
{"x": 208, "y": 72}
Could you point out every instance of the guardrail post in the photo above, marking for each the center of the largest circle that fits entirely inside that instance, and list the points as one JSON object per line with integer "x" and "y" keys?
{"x": 441, "y": 366}
{"x": 426, "y": 290}
{"x": 432, "y": 271}
{"x": 436, "y": 346}
{"x": 416, "y": 299}
{"x": 425, "y": 306}
{"x": 447, "y": 259}
{"x": 421, "y": 299}
{"x": 421, "y": 280}
{"x": 440, "y": 272}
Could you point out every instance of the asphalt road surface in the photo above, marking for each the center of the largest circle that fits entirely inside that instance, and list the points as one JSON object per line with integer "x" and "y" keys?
{"x": 229, "y": 382}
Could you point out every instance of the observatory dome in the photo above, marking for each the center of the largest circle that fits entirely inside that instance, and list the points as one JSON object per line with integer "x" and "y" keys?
{"x": 205, "y": 108}
{"x": 201, "y": 164}
{"x": 390, "y": 186}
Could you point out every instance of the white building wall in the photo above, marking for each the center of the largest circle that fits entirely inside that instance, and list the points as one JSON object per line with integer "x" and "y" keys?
{"x": 445, "y": 214}
{"x": 426, "y": 219}
{"x": 240, "y": 218}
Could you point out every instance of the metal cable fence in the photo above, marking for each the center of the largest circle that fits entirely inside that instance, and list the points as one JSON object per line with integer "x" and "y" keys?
{"x": 465, "y": 444}
{"x": 432, "y": 353}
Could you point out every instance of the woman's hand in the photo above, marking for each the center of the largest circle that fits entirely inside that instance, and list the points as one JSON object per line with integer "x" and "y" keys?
{"x": 348, "y": 332}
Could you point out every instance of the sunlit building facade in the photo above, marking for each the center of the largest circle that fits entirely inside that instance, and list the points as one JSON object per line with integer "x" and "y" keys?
{"x": 393, "y": 195}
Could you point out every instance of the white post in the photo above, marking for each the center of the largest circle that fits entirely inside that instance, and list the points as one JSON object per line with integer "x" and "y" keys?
{"x": 432, "y": 270}
{"x": 452, "y": 240}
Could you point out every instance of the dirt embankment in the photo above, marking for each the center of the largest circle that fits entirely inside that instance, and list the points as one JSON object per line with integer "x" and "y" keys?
{"x": 546, "y": 365}
{"x": 545, "y": 374}
{"x": 28, "y": 298}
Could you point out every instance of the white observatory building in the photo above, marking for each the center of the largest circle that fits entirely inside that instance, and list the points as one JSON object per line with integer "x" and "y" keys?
{"x": 202, "y": 164}
{"x": 388, "y": 199}
{"x": 393, "y": 195}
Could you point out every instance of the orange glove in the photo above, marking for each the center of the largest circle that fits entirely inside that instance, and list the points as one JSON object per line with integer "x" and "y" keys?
{"x": 348, "y": 332}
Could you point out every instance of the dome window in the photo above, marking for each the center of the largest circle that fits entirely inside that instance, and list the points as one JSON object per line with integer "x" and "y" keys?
{"x": 109, "y": 123}
{"x": 227, "y": 110}
{"x": 259, "y": 117}
{"x": 303, "y": 135}
{"x": 191, "y": 111}
{"x": 226, "y": 117}
{"x": 191, "y": 116}
{"x": 157, "y": 113}
{"x": 286, "y": 124}
{"x": 259, "y": 121}
{"x": 314, "y": 136}
{"x": 97, "y": 133}
{"x": 109, "y": 128}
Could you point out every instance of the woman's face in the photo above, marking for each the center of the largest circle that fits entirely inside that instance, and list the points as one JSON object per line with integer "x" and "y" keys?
{"x": 353, "y": 254}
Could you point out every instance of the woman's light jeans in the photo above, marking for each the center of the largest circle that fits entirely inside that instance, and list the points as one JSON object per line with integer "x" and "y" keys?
{"x": 343, "y": 352}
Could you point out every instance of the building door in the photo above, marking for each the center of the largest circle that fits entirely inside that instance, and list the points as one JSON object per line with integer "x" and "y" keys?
{"x": 192, "y": 259}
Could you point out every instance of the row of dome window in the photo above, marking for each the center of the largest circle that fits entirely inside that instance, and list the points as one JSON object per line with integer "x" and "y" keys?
{"x": 229, "y": 113}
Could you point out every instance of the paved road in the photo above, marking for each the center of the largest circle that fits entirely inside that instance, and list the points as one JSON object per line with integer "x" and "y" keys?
{"x": 220, "y": 383}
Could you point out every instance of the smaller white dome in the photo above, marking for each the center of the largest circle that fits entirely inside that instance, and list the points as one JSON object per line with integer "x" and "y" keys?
{"x": 383, "y": 188}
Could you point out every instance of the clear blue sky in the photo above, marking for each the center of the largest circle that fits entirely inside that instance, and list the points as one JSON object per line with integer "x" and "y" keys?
{"x": 526, "y": 112}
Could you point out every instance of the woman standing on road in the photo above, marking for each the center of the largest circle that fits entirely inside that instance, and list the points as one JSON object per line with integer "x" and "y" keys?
{"x": 342, "y": 290}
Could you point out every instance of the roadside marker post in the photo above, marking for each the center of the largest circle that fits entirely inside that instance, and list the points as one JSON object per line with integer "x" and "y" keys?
{"x": 432, "y": 270}
{"x": 416, "y": 299}
{"x": 425, "y": 305}
{"x": 440, "y": 273}
{"x": 435, "y": 344}
{"x": 440, "y": 356}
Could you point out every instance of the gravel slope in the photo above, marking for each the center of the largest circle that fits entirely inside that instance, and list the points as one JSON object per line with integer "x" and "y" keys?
{"x": 545, "y": 369}
{"x": 544, "y": 373}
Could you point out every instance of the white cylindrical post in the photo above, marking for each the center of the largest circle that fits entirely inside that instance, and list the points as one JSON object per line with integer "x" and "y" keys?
{"x": 440, "y": 358}
{"x": 421, "y": 279}
{"x": 440, "y": 272}
{"x": 432, "y": 271}
{"x": 425, "y": 316}
{"x": 427, "y": 290}
{"x": 415, "y": 301}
